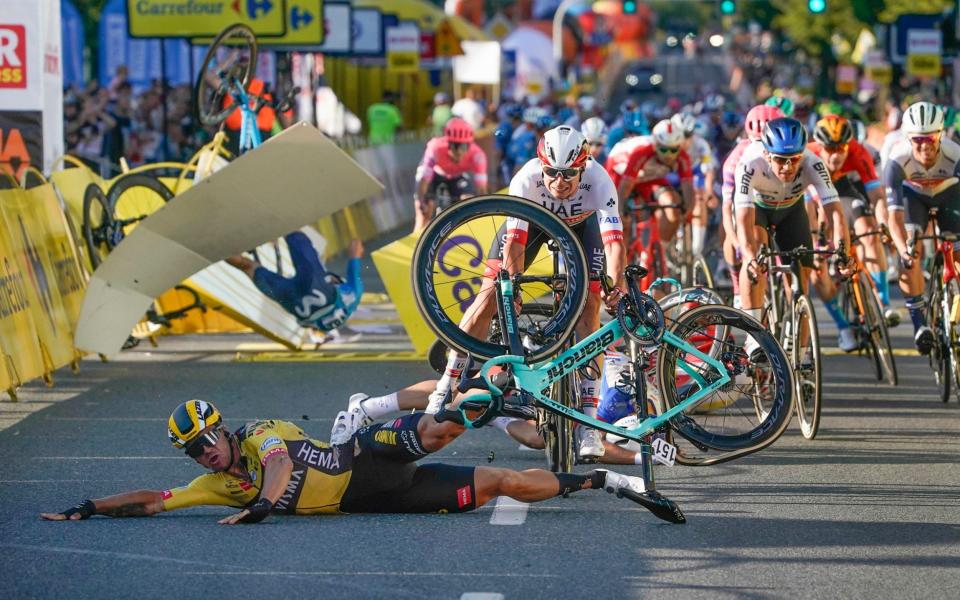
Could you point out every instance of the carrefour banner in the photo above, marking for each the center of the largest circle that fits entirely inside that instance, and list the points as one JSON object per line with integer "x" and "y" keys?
{"x": 202, "y": 18}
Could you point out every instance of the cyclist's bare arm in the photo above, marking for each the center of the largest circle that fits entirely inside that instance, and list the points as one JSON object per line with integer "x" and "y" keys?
{"x": 276, "y": 475}
{"x": 138, "y": 503}
{"x": 514, "y": 254}
{"x": 626, "y": 188}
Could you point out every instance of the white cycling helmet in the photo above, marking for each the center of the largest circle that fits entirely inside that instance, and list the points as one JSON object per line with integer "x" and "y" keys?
{"x": 685, "y": 121}
{"x": 594, "y": 129}
{"x": 666, "y": 133}
{"x": 922, "y": 117}
{"x": 563, "y": 148}
{"x": 587, "y": 103}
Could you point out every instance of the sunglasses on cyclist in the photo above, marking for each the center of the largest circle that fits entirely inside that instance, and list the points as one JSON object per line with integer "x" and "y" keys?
{"x": 596, "y": 144}
{"x": 458, "y": 146}
{"x": 919, "y": 140}
{"x": 786, "y": 160}
{"x": 836, "y": 148}
{"x": 196, "y": 448}
{"x": 565, "y": 174}
{"x": 667, "y": 150}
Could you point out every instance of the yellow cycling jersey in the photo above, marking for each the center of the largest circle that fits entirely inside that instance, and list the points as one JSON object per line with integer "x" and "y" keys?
{"x": 320, "y": 475}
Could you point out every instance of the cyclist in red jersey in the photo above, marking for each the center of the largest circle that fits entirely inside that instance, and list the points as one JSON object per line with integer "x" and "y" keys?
{"x": 452, "y": 159}
{"x": 646, "y": 177}
{"x": 855, "y": 177}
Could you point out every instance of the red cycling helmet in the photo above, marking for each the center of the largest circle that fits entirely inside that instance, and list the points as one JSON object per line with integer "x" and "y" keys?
{"x": 758, "y": 117}
{"x": 458, "y": 131}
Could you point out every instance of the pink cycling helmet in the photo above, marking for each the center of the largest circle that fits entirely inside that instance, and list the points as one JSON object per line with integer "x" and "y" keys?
{"x": 458, "y": 131}
{"x": 758, "y": 117}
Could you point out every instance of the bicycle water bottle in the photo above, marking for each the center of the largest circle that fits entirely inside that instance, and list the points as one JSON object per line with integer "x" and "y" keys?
{"x": 616, "y": 393}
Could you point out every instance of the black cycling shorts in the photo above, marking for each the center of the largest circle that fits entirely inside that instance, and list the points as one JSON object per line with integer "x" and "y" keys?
{"x": 587, "y": 230}
{"x": 386, "y": 479}
{"x": 917, "y": 206}
{"x": 853, "y": 195}
{"x": 791, "y": 228}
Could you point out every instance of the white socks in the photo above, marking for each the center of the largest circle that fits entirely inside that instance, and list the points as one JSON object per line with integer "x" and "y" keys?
{"x": 455, "y": 365}
{"x": 381, "y": 406}
{"x": 699, "y": 234}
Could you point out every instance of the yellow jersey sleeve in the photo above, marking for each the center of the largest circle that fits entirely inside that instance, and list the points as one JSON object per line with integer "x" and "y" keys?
{"x": 210, "y": 489}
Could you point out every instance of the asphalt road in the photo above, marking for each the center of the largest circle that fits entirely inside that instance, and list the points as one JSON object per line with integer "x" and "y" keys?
{"x": 871, "y": 508}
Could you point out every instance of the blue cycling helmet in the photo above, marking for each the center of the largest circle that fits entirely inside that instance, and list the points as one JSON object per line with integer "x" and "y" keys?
{"x": 514, "y": 111}
{"x": 546, "y": 122}
{"x": 784, "y": 136}
{"x": 635, "y": 123}
{"x": 732, "y": 119}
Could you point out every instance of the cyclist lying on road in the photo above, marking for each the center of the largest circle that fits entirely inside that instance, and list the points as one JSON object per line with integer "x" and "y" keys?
{"x": 272, "y": 466}
{"x": 316, "y": 297}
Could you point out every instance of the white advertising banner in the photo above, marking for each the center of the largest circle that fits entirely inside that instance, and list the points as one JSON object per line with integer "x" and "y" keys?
{"x": 480, "y": 63}
{"x": 31, "y": 85}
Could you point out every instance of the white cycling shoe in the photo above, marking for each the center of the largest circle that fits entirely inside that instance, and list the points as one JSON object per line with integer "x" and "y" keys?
{"x": 591, "y": 445}
{"x": 846, "y": 340}
{"x": 617, "y": 482}
{"x": 435, "y": 402}
{"x": 351, "y": 420}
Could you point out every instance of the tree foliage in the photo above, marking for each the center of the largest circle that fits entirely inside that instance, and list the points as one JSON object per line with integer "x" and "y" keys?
{"x": 814, "y": 32}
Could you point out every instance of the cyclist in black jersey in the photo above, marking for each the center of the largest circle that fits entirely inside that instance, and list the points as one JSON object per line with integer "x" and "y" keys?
{"x": 273, "y": 466}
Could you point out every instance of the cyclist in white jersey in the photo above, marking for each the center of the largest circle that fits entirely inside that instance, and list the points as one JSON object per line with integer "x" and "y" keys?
{"x": 577, "y": 189}
{"x": 921, "y": 173}
{"x": 770, "y": 180}
{"x": 704, "y": 164}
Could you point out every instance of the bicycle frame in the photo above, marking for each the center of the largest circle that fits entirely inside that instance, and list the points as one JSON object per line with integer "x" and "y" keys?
{"x": 249, "y": 132}
{"x": 540, "y": 376}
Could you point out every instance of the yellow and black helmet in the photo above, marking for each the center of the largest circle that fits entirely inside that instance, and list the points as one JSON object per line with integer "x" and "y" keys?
{"x": 833, "y": 130}
{"x": 189, "y": 419}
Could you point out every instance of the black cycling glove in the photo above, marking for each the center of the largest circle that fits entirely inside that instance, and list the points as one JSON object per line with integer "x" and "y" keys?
{"x": 86, "y": 509}
{"x": 258, "y": 511}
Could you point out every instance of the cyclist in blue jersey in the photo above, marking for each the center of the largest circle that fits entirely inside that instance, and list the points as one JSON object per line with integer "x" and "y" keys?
{"x": 513, "y": 117}
{"x": 318, "y": 298}
{"x": 631, "y": 123}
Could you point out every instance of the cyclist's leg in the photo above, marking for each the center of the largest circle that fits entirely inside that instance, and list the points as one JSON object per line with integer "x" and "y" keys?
{"x": 823, "y": 283}
{"x": 589, "y": 232}
{"x": 669, "y": 219}
{"x": 915, "y": 214}
{"x": 751, "y": 292}
{"x": 306, "y": 262}
{"x": 700, "y": 215}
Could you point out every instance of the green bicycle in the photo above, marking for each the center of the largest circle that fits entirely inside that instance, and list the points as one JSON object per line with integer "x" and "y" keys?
{"x": 713, "y": 395}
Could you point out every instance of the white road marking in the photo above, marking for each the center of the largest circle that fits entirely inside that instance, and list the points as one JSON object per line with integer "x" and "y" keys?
{"x": 108, "y": 458}
{"x": 374, "y": 574}
{"x": 481, "y": 596}
{"x": 104, "y": 553}
{"x": 509, "y": 512}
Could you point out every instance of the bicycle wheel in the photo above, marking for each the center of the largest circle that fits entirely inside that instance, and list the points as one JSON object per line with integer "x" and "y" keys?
{"x": 533, "y": 315}
{"x": 231, "y": 60}
{"x": 725, "y": 424}
{"x": 132, "y": 198}
{"x": 939, "y": 354}
{"x": 702, "y": 277}
{"x": 448, "y": 274}
{"x": 98, "y": 225}
{"x": 558, "y": 431}
{"x": 879, "y": 334}
{"x": 953, "y": 331}
{"x": 806, "y": 367}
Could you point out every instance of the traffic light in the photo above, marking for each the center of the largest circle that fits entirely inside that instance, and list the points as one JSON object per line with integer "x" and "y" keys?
{"x": 728, "y": 7}
{"x": 629, "y": 7}
{"x": 816, "y": 6}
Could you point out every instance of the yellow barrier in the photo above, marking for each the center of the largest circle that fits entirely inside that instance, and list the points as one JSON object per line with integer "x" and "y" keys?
{"x": 29, "y": 239}
{"x": 464, "y": 251}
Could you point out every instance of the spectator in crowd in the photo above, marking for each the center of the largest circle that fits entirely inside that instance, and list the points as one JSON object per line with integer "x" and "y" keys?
{"x": 441, "y": 113}
{"x": 383, "y": 120}
{"x": 469, "y": 109}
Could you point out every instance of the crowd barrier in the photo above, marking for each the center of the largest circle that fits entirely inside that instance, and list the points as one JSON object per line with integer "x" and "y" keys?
{"x": 41, "y": 286}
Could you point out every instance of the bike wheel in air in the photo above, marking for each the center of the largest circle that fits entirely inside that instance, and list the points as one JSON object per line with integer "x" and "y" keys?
{"x": 133, "y": 198}
{"x": 98, "y": 226}
{"x": 879, "y": 334}
{"x": 534, "y": 314}
{"x": 807, "y": 371}
{"x": 725, "y": 424}
{"x": 231, "y": 60}
{"x": 939, "y": 355}
{"x": 448, "y": 275}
